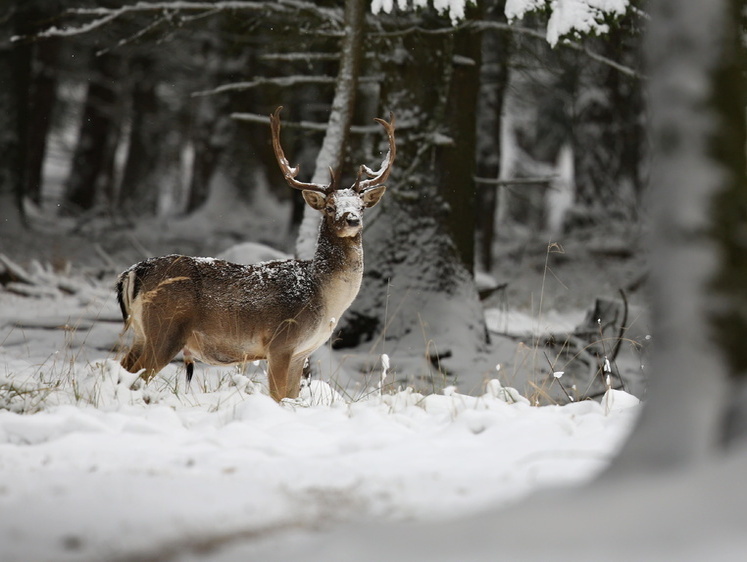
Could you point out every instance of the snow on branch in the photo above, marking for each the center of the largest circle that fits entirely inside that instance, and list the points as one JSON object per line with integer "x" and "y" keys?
{"x": 569, "y": 17}
{"x": 454, "y": 8}
{"x": 566, "y": 17}
{"x": 499, "y": 26}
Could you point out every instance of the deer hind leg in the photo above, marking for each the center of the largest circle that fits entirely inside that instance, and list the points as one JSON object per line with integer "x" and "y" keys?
{"x": 189, "y": 364}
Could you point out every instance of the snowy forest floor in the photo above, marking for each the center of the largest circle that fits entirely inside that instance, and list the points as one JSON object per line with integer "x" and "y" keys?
{"x": 94, "y": 467}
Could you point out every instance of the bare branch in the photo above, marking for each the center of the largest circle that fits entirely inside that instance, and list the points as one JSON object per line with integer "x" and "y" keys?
{"x": 299, "y": 57}
{"x": 104, "y": 16}
{"x": 515, "y": 181}
{"x": 314, "y": 126}
{"x": 283, "y": 81}
{"x": 135, "y": 36}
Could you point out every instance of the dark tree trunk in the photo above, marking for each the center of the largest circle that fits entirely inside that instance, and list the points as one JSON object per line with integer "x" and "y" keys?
{"x": 42, "y": 94}
{"x": 139, "y": 190}
{"x": 456, "y": 159}
{"x": 42, "y": 97}
{"x": 15, "y": 71}
{"x": 209, "y": 144}
{"x": 98, "y": 125}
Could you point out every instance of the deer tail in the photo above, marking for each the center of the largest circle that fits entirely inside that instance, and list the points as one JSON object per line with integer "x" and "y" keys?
{"x": 127, "y": 287}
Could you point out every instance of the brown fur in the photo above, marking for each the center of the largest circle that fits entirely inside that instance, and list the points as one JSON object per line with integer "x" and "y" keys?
{"x": 224, "y": 313}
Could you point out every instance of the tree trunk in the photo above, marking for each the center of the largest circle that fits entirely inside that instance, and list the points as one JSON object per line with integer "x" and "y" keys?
{"x": 335, "y": 141}
{"x": 15, "y": 71}
{"x": 42, "y": 97}
{"x": 699, "y": 252}
{"x": 42, "y": 93}
{"x": 139, "y": 190}
{"x": 494, "y": 80}
{"x": 417, "y": 298}
{"x": 456, "y": 159}
{"x": 97, "y": 126}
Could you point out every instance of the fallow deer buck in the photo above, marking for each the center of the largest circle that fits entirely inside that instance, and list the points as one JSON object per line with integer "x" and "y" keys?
{"x": 223, "y": 313}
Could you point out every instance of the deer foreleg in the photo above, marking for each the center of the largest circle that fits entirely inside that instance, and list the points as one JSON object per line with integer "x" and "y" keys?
{"x": 295, "y": 371}
{"x": 284, "y": 374}
{"x": 278, "y": 364}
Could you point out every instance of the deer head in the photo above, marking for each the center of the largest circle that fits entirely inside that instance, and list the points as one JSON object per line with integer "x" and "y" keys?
{"x": 342, "y": 208}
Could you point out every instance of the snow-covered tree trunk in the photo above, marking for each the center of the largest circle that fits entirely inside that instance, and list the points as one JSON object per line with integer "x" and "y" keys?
{"x": 333, "y": 146}
{"x": 418, "y": 300}
{"x": 699, "y": 216}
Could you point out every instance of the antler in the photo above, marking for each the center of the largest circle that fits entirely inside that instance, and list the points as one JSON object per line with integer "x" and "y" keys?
{"x": 379, "y": 176}
{"x": 289, "y": 173}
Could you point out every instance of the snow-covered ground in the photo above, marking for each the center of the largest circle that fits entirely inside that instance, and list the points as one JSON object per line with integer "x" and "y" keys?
{"x": 91, "y": 469}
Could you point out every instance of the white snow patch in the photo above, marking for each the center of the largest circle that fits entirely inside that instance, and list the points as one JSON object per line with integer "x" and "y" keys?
{"x": 96, "y": 465}
{"x": 519, "y": 324}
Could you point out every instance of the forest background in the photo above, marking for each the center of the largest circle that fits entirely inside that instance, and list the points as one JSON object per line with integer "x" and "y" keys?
{"x": 143, "y": 128}
{"x": 680, "y": 472}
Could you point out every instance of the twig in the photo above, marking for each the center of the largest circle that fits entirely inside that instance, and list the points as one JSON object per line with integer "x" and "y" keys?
{"x": 283, "y": 81}
{"x": 515, "y": 181}
{"x": 106, "y": 15}
{"x": 556, "y": 377}
{"x": 314, "y": 126}
{"x": 623, "y": 326}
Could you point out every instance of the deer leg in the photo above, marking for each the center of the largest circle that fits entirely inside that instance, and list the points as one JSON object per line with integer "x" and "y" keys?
{"x": 189, "y": 364}
{"x": 295, "y": 370}
{"x": 278, "y": 364}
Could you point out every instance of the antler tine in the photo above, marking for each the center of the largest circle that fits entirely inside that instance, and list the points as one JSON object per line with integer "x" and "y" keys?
{"x": 289, "y": 173}
{"x": 379, "y": 176}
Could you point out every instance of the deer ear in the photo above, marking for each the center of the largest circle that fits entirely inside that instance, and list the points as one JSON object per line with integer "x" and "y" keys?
{"x": 372, "y": 196}
{"x": 315, "y": 199}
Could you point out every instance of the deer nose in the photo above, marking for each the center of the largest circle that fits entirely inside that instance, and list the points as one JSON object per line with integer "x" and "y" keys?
{"x": 354, "y": 221}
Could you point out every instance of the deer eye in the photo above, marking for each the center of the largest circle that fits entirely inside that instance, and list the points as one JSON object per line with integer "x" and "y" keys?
{"x": 330, "y": 210}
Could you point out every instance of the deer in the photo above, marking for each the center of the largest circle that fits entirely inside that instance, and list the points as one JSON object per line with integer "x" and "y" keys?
{"x": 223, "y": 313}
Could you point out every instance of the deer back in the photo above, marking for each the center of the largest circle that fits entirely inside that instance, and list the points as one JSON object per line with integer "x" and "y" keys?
{"x": 227, "y": 312}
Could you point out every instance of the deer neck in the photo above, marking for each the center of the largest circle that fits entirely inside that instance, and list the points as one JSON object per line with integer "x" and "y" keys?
{"x": 336, "y": 256}
{"x": 338, "y": 264}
